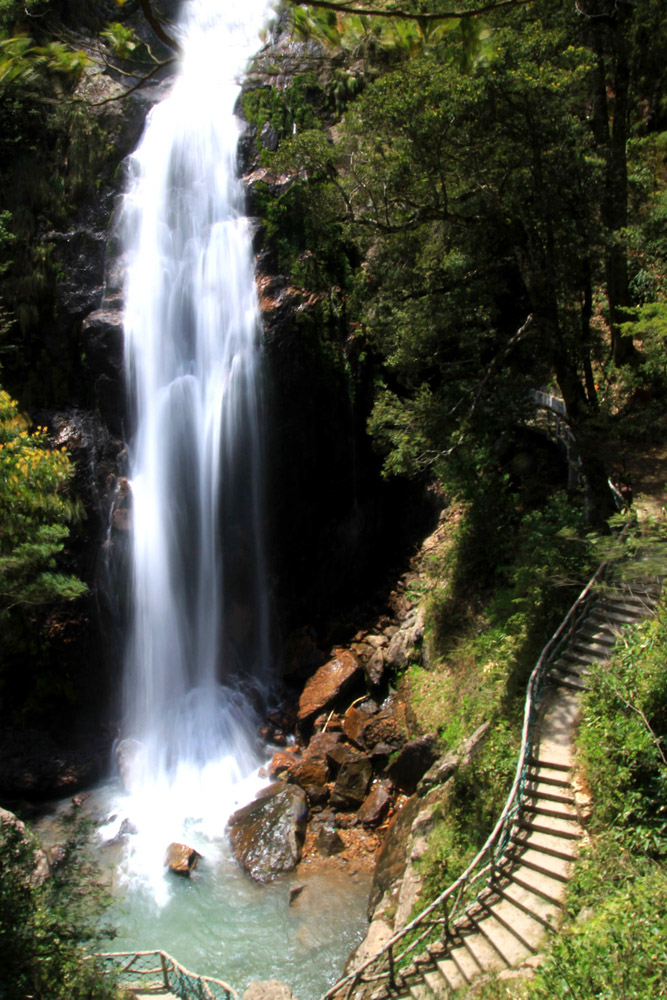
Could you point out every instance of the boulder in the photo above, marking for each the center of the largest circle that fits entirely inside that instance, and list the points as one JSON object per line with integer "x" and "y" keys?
{"x": 403, "y": 642}
{"x": 181, "y": 859}
{"x": 414, "y": 759}
{"x": 320, "y": 747}
{"x": 270, "y": 989}
{"x": 352, "y": 783}
{"x": 282, "y": 762}
{"x": 384, "y": 728}
{"x": 339, "y": 755}
{"x": 376, "y": 805}
{"x": 267, "y": 835}
{"x": 328, "y": 841}
{"x": 353, "y": 725}
{"x": 309, "y": 772}
{"x": 327, "y": 684}
{"x": 375, "y": 668}
{"x": 443, "y": 768}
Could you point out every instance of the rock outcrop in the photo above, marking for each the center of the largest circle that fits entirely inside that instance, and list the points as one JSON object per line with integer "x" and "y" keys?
{"x": 267, "y": 835}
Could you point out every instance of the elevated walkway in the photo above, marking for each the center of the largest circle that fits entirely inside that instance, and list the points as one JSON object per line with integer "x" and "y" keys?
{"x": 152, "y": 974}
{"x": 495, "y": 915}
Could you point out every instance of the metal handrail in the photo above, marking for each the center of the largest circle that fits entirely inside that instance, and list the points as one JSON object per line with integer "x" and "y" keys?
{"x": 488, "y": 857}
{"x": 168, "y": 974}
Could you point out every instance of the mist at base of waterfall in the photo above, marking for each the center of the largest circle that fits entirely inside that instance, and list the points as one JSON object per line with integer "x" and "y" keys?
{"x": 219, "y": 922}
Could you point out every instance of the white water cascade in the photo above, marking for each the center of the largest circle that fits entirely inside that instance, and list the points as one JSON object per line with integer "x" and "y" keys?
{"x": 199, "y": 644}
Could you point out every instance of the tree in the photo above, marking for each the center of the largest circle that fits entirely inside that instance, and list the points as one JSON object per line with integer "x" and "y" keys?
{"x": 45, "y": 919}
{"x": 34, "y": 511}
{"x": 474, "y": 197}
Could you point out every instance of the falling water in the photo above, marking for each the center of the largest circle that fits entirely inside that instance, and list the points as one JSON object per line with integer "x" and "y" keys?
{"x": 199, "y": 650}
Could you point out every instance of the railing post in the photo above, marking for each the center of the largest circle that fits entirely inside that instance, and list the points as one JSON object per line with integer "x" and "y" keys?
{"x": 445, "y": 920}
{"x": 165, "y": 973}
{"x": 392, "y": 976}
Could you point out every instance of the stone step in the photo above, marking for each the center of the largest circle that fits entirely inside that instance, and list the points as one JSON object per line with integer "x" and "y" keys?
{"x": 546, "y": 845}
{"x": 495, "y": 936}
{"x": 565, "y": 681}
{"x": 441, "y": 985}
{"x": 548, "y": 765}
{"x": 602, "y": 635}
{"x": 618, "y": 611}
{"x": 545, "y": 779}
{"x": 598, "y": 650}
{"x": 537, "y": 890}
{"x": 613, "y": 614}
{"x": 422, "y": 991}
{"x": 558, "y": 810}
{"x": 481, "y": 950}
{"x": 556, "y": 829}
{"x": 465, "y": 965}
{"x": 520, "y": 904}
{"x": 533, "y": 790}
{"x": 530, "y": 860}
{"x": 504, "y": 914}
{"x": 572, "y": 666}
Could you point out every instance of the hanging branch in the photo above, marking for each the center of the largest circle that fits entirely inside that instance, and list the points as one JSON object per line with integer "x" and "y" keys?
{"x": 407, "y": 15}
{"x": 157, "y": 27}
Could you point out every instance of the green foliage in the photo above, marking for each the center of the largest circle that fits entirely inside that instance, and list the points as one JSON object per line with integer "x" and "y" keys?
{"x": 34, "y": 509}
{"x": 471, "y": 809}
{"x": 288, "y": 109}
{"x": 622, "y": 739}
{"x": 45, "y": 922}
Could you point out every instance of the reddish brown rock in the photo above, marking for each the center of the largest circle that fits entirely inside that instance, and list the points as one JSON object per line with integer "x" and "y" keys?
{"x": 384, "y": 728}
{"x": 310, "y": 772}
{"x": 352, "y": 783}
{"x": 332, "y": 723}
{"x": 353, "y": 725}
{"x": 328, "y": 841}
{"x": 328, "y": 683}
{"x": 320, "y": 745}
{"x": 376, "y": 805}
{"x": 282, "y": 763}
{"x": 340, "y": 754}
{"x": 181, "y": 859}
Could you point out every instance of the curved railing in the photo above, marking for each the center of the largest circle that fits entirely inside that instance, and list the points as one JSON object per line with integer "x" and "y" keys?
{"x": 559, "y": 429}
{"x": 156, "y": 970}
{"x": 434, "y": 922}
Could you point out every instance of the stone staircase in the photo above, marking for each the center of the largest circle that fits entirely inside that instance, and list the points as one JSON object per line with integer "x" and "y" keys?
{"x": 524, "y": 892}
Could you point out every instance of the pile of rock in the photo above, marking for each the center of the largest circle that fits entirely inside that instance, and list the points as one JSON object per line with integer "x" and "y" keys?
{"x": 354, "y": 752}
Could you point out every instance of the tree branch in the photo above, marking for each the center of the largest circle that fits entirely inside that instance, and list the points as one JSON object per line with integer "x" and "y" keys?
{"x": 156, "y": 25}
{"x": 407, "y": 15}
{"x": 126, "y": 93}
{"x": 638, "y": 711}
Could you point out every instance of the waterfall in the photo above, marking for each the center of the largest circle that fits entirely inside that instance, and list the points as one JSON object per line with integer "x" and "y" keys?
{"x": 199, "y": 648}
